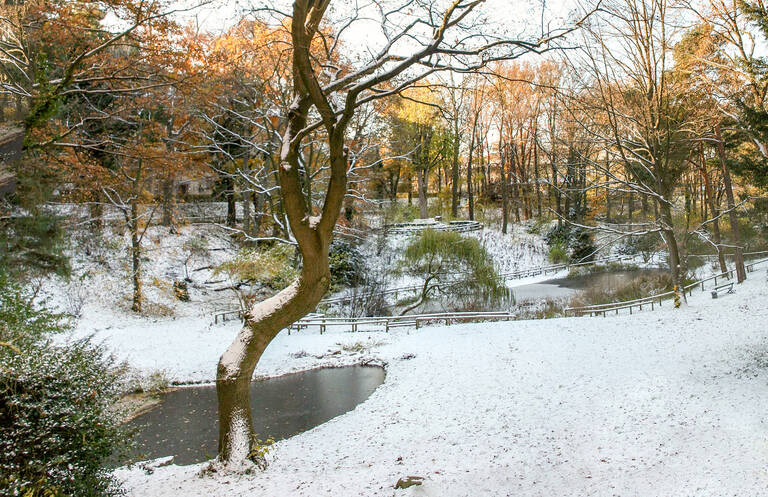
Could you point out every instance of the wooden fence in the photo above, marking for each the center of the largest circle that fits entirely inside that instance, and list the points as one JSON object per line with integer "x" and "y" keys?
{"x": 413, "y": 228}
{"x": 655, "y": 300}
{"x": 388, "y": 322}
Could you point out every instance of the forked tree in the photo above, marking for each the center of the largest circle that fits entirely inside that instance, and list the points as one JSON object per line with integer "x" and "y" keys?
{"x": 444, "y": 36}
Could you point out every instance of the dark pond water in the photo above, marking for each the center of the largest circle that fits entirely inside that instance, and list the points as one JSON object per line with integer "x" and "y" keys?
{"x": 185, "y": 423}
{"x": 565, "y": 287}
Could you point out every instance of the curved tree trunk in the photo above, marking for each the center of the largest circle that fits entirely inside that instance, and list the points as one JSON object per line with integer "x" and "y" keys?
{"x": 312, "y": 232}
{"x": 236, "y": 366}
{"x": 333, "y": 106}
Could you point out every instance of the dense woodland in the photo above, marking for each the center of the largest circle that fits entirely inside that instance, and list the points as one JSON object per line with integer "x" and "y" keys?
{"x": 638, "y": 119}
{"x": 655, "y": 127}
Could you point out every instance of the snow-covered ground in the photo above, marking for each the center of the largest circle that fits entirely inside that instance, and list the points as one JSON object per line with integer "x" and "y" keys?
{"x": 100, "y": 285}
{"x": 663, "y": 403}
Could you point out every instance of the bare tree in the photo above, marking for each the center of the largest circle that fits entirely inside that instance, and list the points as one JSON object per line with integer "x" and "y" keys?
{"x": 326, "y": 96}
{"x": 454, "y": 111}
{"x": 728, "y": 68}
{"x": 640, "y": 112}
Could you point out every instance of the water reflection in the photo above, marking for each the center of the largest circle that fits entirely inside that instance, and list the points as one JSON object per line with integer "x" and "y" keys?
{"x": 185, "y": 423}
{"x": 566, "y": 287}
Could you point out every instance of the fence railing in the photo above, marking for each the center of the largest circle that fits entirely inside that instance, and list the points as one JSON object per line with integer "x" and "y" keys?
{"x": 389, "y": 322}
{"x": 555, "y": 268}
{"x": 654, "y": 301}
{"x": 728, "y": 254}
{"x": 457, "y": 226}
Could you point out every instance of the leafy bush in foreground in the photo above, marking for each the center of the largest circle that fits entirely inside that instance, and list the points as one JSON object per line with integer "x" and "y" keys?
{"x": 56, "y": 425}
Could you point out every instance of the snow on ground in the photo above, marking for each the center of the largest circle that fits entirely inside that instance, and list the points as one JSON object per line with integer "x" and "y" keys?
{"x": 517, "y": 250}
{"x": 100, "y": 283}
{"x": 664, "y": 403}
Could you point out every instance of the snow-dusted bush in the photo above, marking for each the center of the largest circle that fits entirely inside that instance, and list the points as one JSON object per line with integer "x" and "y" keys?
{"x": 346, "y": 264}
{"x": 557, "y": 235}
{"x": 56, "y": 425}
{"x": 193, "y": 247}
{"x": 368, "y": 297}
{"x": 76, "y": 295}
{"x": 644, "y": 245}
{"x": 273, "y": 267}
{"x": 578, "y": 241}
{"x": 582, "y": 245}
{"x": 458, "y": 269}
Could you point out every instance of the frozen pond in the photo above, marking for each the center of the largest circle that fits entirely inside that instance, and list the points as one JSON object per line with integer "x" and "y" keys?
{"x": 566, "y": 287}
{"x": 185, "y": 423}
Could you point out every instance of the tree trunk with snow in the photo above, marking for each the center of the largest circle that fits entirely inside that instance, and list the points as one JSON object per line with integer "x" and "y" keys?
{"x": 133, "y": 227}
{"x": 331, "y": 106}
{"x": 715, "y": 214}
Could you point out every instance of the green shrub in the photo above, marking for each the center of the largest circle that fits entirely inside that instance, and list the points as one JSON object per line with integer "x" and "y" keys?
{"x": 273, "y": 267}
{"x": 456, "y": 267}
{"x": 346, "y": 263}
{"x": 583, "y": 247}
{"x": 558, "y": 254}
{"x": 538, "y": 226}
{"x": 577, "y": 243}
{"x": 57, "y": 428}
{"x": 558, "y": 235}
{"x": 33, "y": 242}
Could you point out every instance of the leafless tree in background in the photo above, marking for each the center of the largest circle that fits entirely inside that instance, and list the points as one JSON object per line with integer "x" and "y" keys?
{"x": 416, "y": 41}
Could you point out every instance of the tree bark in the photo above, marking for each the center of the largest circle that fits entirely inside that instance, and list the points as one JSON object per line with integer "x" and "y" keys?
{"x": 536, "y": 168}
{"x": 556, "y": 190}
{"x": 715, "y": 214}
{"x": 504, "y": 189}
{"x": 168, "y": 193}
{"x": 455, "y": 177}
{"x": 738, "y": 251}
{"x": 133, "y": 226}
{"x": 421, "y": 185}
{"x": 470, "y": 199}
{"x": 671, "y": 241}
{"x": 312, "y": 233}
{"x": 607, "y": 189}
{"x": 229, "y": 197}
{"x": 235, "y": 370}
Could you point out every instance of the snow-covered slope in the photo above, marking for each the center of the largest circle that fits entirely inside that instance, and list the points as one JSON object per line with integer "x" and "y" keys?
{"x": 664, "y": 403}
{"x": 100, "y": 286}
